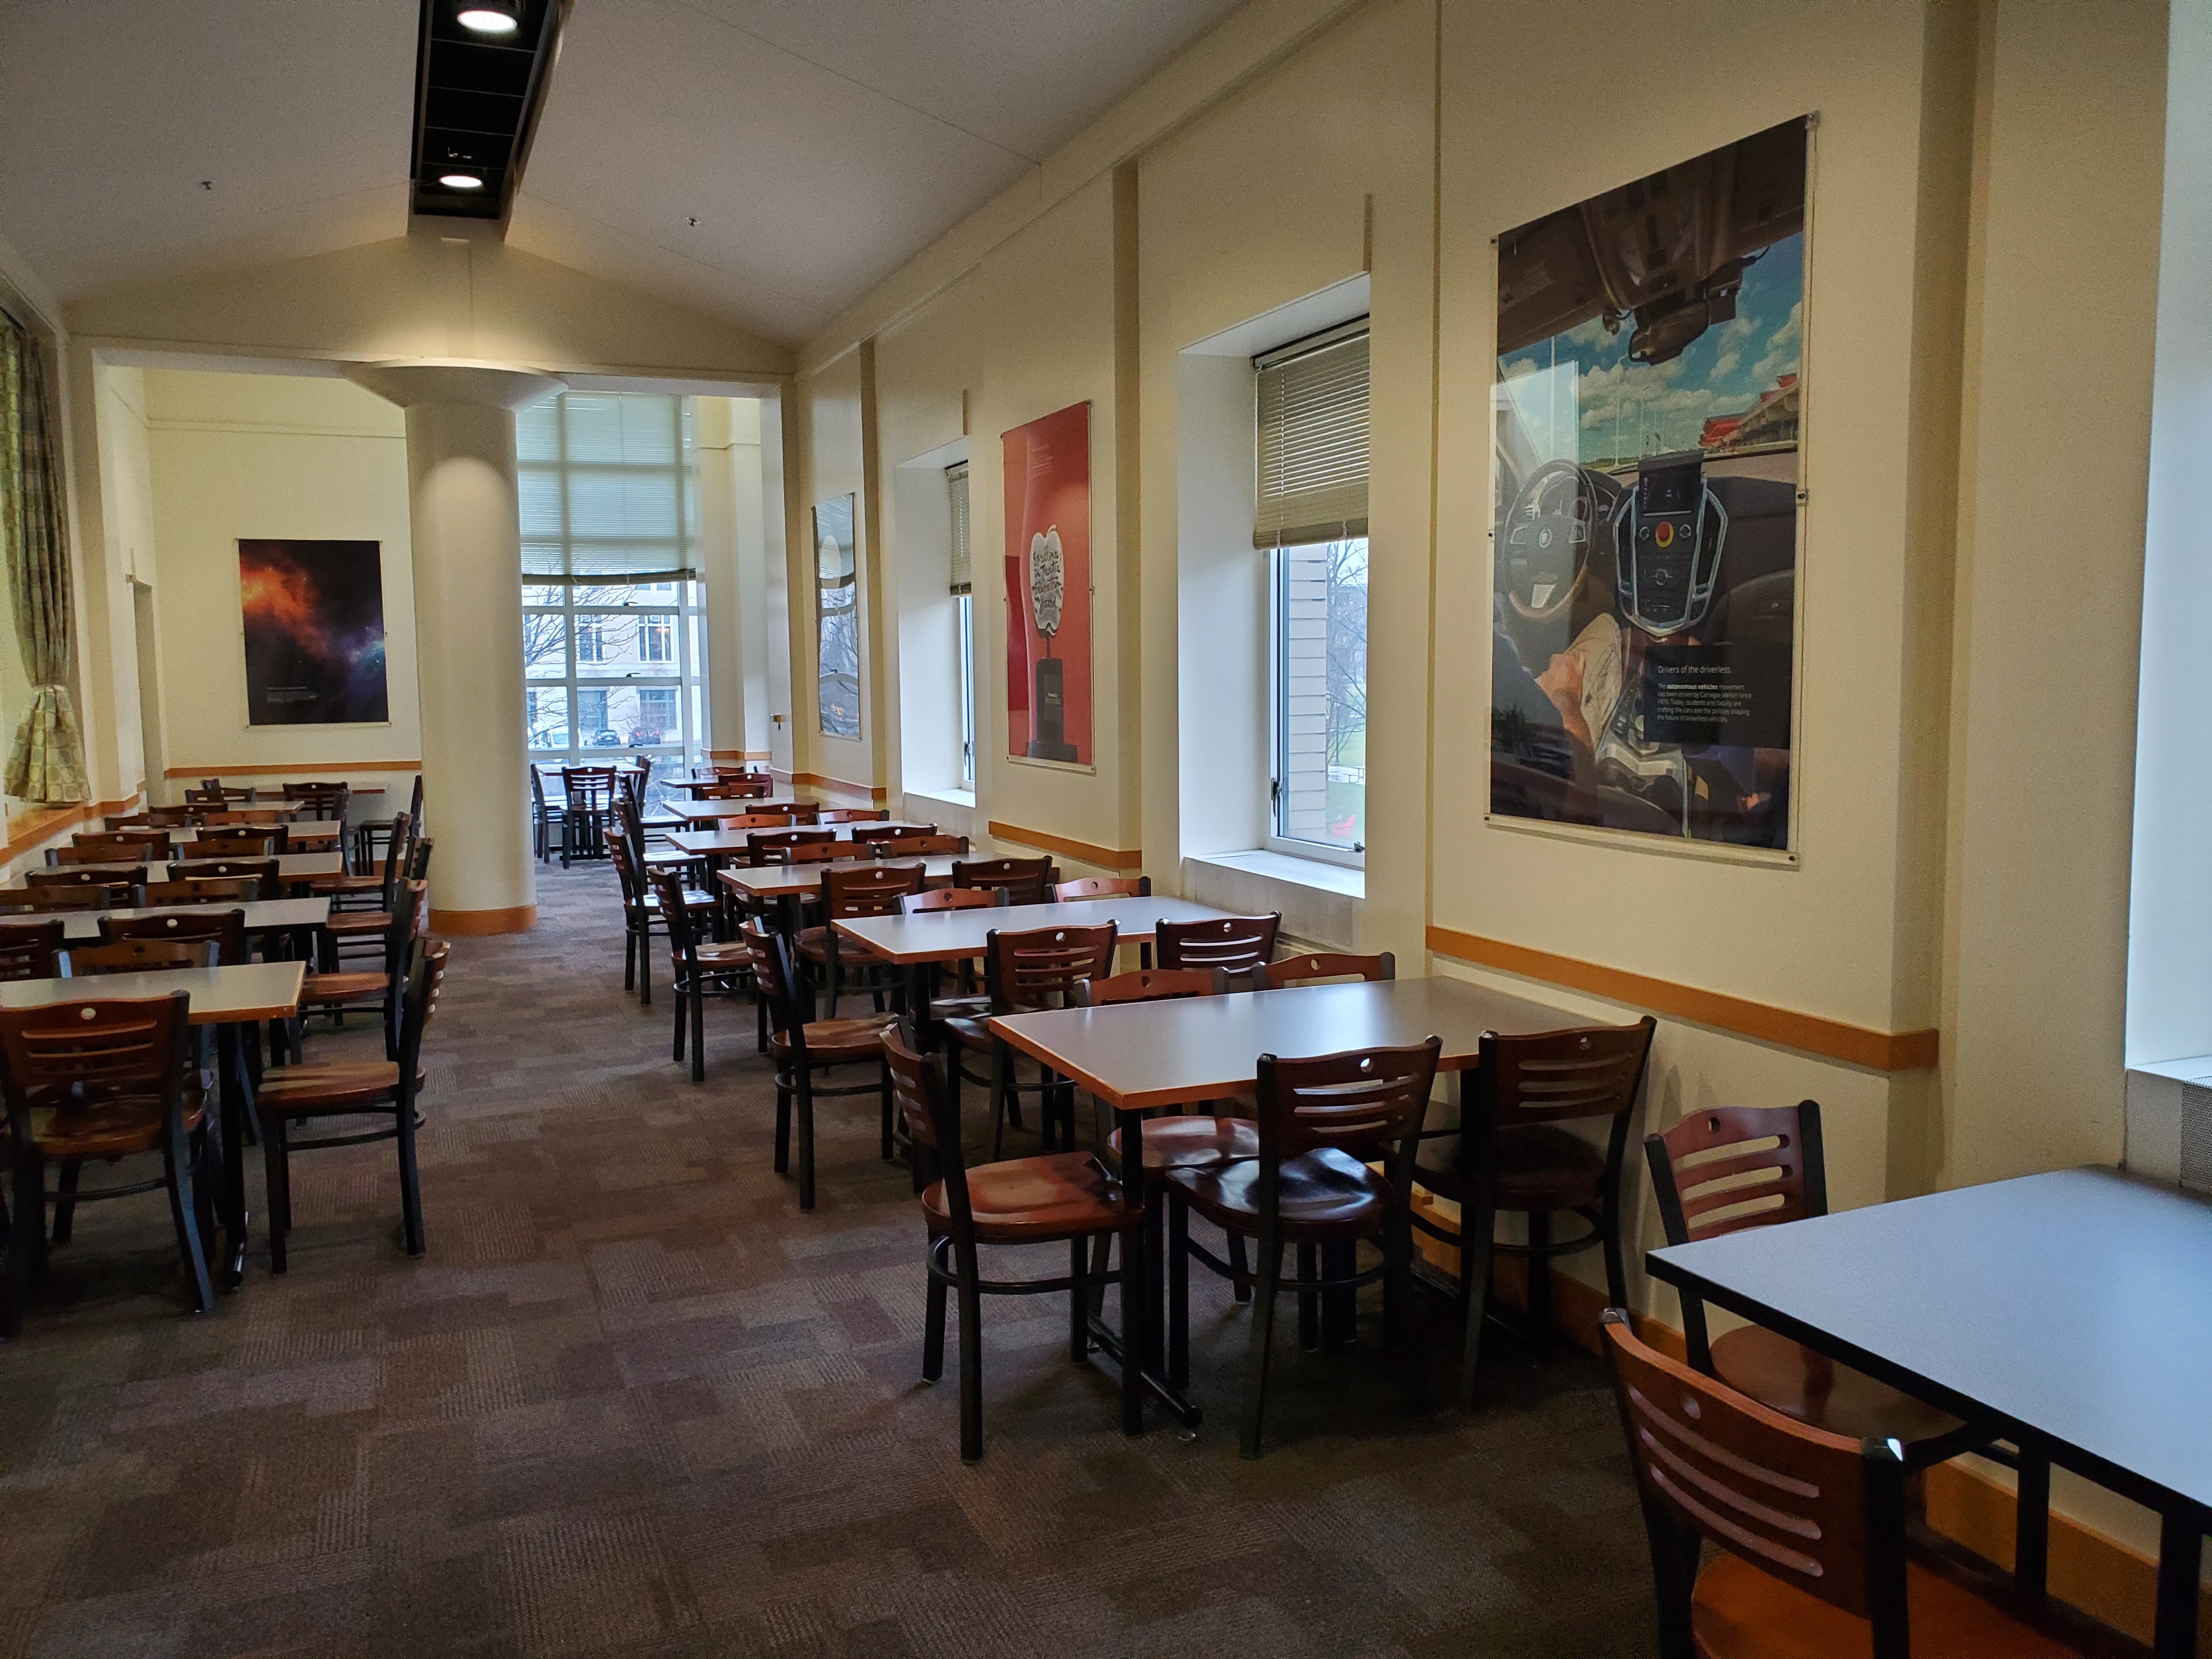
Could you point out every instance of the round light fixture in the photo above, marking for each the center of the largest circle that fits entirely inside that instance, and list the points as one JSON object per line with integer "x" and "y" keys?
{"x": 490, "y": 16}
{"x": 460, "y": 181}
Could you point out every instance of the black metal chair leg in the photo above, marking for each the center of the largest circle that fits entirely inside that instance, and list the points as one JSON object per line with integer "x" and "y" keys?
{"x": 932, "y": 1332}
{"x": 410, "y": 1184}
{"x": 697, "y": 999}
{"x": 1262, "y": 1337}
{"x": 805, "y": 1140}
{"x": 1308, "y": 1300}
{"x": 1079, "y": 1301}
{"x": 782, "y": 1130}
{"x": 971, "y": 1357}
{"x": 276, "y": 1167}
{"x": 1476, "y": 1224}
{"x": 65, "y": 1181}
{"x": 1178, "y": 1250}
{"x": 177, "y": 1167}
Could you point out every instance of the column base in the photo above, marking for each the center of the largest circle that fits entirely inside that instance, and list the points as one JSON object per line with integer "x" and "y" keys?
{"x": 467, "y": 924}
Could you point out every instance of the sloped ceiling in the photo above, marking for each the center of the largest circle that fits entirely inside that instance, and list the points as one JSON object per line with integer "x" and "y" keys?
{"x": 765, "y": 162}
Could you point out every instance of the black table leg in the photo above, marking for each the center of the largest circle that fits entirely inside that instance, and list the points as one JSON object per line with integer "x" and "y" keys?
{"x": 2030, "y": 1566}
{"x": 2180, "y": 1547}
{"x": 1142, "y": 1322}
{"x": 237, "y": 1100}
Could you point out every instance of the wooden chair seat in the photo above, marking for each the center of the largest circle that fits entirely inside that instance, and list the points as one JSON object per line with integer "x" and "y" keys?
{"x": 349, "y": 923}
{"x": 722, "y": 953}
{"x": 1540, "y": 1166}
{"x": 832, "y": 1040}
{"x": 1798, "y": 1383}
{"x": 944, "y": 1008}
{"x": 344, "y": 988}
{"x": 814, "y": 944}
{"x": 298, "y": 1090}
{"x": 1056, "y": 1196}
{"x": 1738, "y": 1611}
{"x": 113, "y": 1128}
{"x": 1327, "y": 1194}
{"x": 971, "y": 1031}
{"x": 1189, "y": 1143}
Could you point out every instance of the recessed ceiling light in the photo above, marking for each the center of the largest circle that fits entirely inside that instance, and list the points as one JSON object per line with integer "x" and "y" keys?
{"x": 491, "y": 16}
{"x": 460, "y": 181}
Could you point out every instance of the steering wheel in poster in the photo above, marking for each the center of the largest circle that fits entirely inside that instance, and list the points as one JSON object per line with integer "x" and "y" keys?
{"x": 1547, "y": 535}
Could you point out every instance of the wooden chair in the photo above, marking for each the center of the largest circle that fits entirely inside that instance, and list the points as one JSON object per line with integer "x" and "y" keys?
{"x": 642, "y": 917}
{"x": 852, "y": 815}
{"x": 545, "y": 830}
{"x": 968, "y": 999}
{"x": 139, "y": 956}
{"x": 224, "y": 929}
{"x": 1322, "y": 1122}
{"x": 695, "y": 966}
{"x": 201, "y": 889}
{"x": 363, "y": 990}
{"x": 914, "y": 847}
{"x": 878, "y": 829}
{"x": 29, "y": 950}
{"x": 383, "y": 1089}
{"x": 362, "y": 906}
{"x": 1509, "y": 1153}
{"x": 1027, "y": 881}
{"x": 1316, "y": 968}
{"x": 88, "y": 1080}
{"x": 323, "y": 801}
{"x": 799, "y": 1047}
{"x": 760, "y": 843}
{"x": 1806, "y": 1528}
{"x": 153, "y": 818}
{"x": 756, "y": 821}
{"x": 228, "y": 844}
{"x": 588, "y": 797}
{"x": 84, "y": 876}
{"x": 257, "y": 817}
{"x": 215, "y": 792}
{"x": 733, "y": 789}
{"x": 1728, "y": 1168}
{"x": 1091, "y": 887}
{"x": 866, "y": 890}
{"x": 1061, "y": 1196}
{"x": 369, "y": 889}
{"x": 88, "y": 896}
{"x": 1035, "y": 967}
{"x": 264, "y": 870}
{"x": 1228, "y": 944}
{"x": 122, "y": 847}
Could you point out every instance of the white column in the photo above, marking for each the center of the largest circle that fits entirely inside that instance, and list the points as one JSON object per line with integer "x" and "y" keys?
{"x": 466, "y": 526}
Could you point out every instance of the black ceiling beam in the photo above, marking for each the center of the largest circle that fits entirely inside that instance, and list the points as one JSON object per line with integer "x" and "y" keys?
{"x": 476, "y": 104}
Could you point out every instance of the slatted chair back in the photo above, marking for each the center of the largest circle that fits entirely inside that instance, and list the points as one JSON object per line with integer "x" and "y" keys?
{"x": 878, "y": 829}
{"x": 251, "y": 815}
{"x": 1146, "y": 985}
{"x": 627, "y": 874}
{"x": 853, "y": 815}
{"x": 814, "y": 852}
{"x": 1038, "y": 966}
{"x": 1356, "y": 1101}
{"x": 667, "y": 884}
{"x": 1323, "y": 968}
{"x": 225, "y": 929}
{"x": 88, "y": 896}
{"x": 590, "y": 789}
{"x": 108, "y": 1051}
{"x": 805, "y": 814}
{"x": 1819, "y": 1512}
{"x": 756, "y": 821}
{"x": 257, "y": 845}
{"x": 215, "y": 791}
{"x": 952, "y": 898}
{"x": 1727, "y": 1167}
{"x": 415, "y": 808}
{"x": 139, "y": 956}
{"x": 775, "y": 981}
{"x": 410, "y": 922}
{"x": 868, "y": 889}
{"x": 29, "y": 950}
{"x": 914, "y": 847}
{"x": 426, "y": 980}
{"x": 1029, "y": 880}
{"x": 264, "y": 870}
{"x": 88, "y": 876}
{"x": 326, "y": 801}
{"x": 761, "y": 843}
{"x": 419, "y": 848}
{"x": 1096, "y": 887}
{"x": 114, "y": 847}
{"x": 1556, "y": 1077}
{"x": 153, "y": 818}
{"x": 932, "y": 1124}
{"x": 1233, "y": 945}
{"x": 733, "y": 789}
{"x": 201, "y": 890}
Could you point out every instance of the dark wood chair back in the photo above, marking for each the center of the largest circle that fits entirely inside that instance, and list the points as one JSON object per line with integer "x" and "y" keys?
{"x": 419, "y": 848}
{"x": 201, "y": 890}
{"x": 1146, "y": 985}
{"x": 326, "y": 800}
{"x": 1819, "y": 1512}
{"x": 738, "y": 786}
{"x": 225, "y": 929}
{"x": 255, "y": 846}
{"x": 667, "y": 884}
{"x": 415, "y": 808}
{"x": 914, "y": 847}
{"x": 775, "y": 982}
{"x": 1234, "y": 945}
{"x": 265, "y": 816}
{"x": 878, "y": 828}
{"x": 1320, "y": 968}
{"x": 261, "y": 870}
{"x": 1555, "y": 1077}
{"x": 28, "y": 949}
{"x": 756, "y": 821}
{"x": 1356, "y": 1101}
{"x": 86, "y": 896}
{"x": 953, "y": 898}
{"x": 760, "y": 842}
{"x": 117, "y": 847}
{"x": 868, "y": 889}
{"x": 92, "y": 876}
{"x": 1028, "y": 880}
{"x": 932, "y": 1124}
{"x": 1038, "y": 966}
{"x": 112, "y": 1052}
{"x": 139, "y": 956}
{"x": 590, "y": 789}
{"x": 1091, "y": 887}
{"x": 426, "y": 980}
{"x": 627, "y": 874}
{"x": 818, "y": 852}
{"x": 852, "y": 815}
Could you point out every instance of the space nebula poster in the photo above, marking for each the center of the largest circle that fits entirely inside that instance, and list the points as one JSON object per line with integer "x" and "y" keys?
{"x": 1650, "y": 389}
{"x": 314, "y": 632}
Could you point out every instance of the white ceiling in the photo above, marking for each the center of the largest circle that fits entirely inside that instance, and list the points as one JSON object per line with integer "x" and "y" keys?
{"x": 818, "y": 143}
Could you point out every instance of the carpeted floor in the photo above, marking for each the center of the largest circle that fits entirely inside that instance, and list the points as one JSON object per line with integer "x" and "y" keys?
{"x": 633, "y": 1403}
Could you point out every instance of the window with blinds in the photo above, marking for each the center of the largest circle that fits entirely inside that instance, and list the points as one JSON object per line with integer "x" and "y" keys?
{"x": 608, "y": 491}
{"x": 1313, "y": 439}
{"x": 963, "y": 558}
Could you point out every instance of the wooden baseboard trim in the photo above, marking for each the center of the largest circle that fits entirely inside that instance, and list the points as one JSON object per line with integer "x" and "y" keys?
{"x": 818, "y": 781}
{"x": 303, "y": 770}
{"x": 737, "y": 755}
{"x": 477, "y": 924}
{"x": 1107, "y": 857}
{"x": 1786, "y": 1028}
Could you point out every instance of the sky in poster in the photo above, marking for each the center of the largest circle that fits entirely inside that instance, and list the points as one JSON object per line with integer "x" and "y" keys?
{"x": 1628, "y": 410}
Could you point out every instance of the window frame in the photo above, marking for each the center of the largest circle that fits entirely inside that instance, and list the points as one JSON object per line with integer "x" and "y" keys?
{"x": 1274, "y": 840}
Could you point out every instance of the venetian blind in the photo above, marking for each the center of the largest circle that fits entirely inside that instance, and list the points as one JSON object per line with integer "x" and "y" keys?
{"x": 607, "y": 489}
{"x": 964, "y": 568}
{"x": 1313, "y": 439}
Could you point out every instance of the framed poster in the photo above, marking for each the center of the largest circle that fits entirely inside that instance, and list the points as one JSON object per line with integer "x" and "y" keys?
{"x": 837, "y": 618}
{"x": 1048, "y": 486}
{"x": 1650, "y": 382}
{"x": 314, "y": 633}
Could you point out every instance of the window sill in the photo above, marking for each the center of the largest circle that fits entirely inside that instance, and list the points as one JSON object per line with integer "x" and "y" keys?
{"x": 957, "y": 797}
{"x": 1317, "y": 874}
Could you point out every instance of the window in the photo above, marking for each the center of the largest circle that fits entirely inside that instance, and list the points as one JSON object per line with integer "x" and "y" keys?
{"x": 963, "y": 598}
{"x": 1312, "y": 513}
{"x": 837, "y": 615}
{"x": 611, "y": 596}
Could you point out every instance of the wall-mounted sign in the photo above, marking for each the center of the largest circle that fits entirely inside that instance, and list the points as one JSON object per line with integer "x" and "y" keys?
{"x": 314, "y": 633}
{"x": 1047, "y": 483}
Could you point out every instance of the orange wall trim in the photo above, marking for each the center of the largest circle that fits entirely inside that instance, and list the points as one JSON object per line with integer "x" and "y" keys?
{"x": 1855, "y": 1045}
{"x": 301, "y": 769}
{"x": 818, "y": 781}
{"x": 739, "y": 754}
{"x": 28, "y": 830}
{"x": 473, "y": 924}
{"x": 1109, "y": 858}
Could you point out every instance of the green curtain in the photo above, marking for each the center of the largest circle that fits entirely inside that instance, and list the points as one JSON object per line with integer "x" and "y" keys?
{"x": 47, "y": 762}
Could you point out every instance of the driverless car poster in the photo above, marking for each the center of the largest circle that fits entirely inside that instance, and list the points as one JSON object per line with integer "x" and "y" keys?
{"x": 1651, "y": 377}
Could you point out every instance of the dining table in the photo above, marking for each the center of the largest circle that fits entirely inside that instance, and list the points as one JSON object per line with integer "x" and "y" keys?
{"x": 228, "y": 998}
{"x": 2064, "y": 1309}
{"x": 290, "y": 866}
{"x": 293, "y": 919}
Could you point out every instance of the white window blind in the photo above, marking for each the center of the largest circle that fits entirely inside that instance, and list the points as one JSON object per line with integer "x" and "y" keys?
{"x": 607, "y": 489}
{"x": 964, "y": 568}
{"x": 1313, "y": 439}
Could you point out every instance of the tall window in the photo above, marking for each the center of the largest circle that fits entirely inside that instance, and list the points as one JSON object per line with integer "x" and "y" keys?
{"x": 610, "y": 587}
{"x": 1312, "y": 513}
{"x": 963, "y": 599}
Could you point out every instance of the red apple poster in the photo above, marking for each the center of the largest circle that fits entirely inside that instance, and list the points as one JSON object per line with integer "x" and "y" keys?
{"x": 1047, "y": 478}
